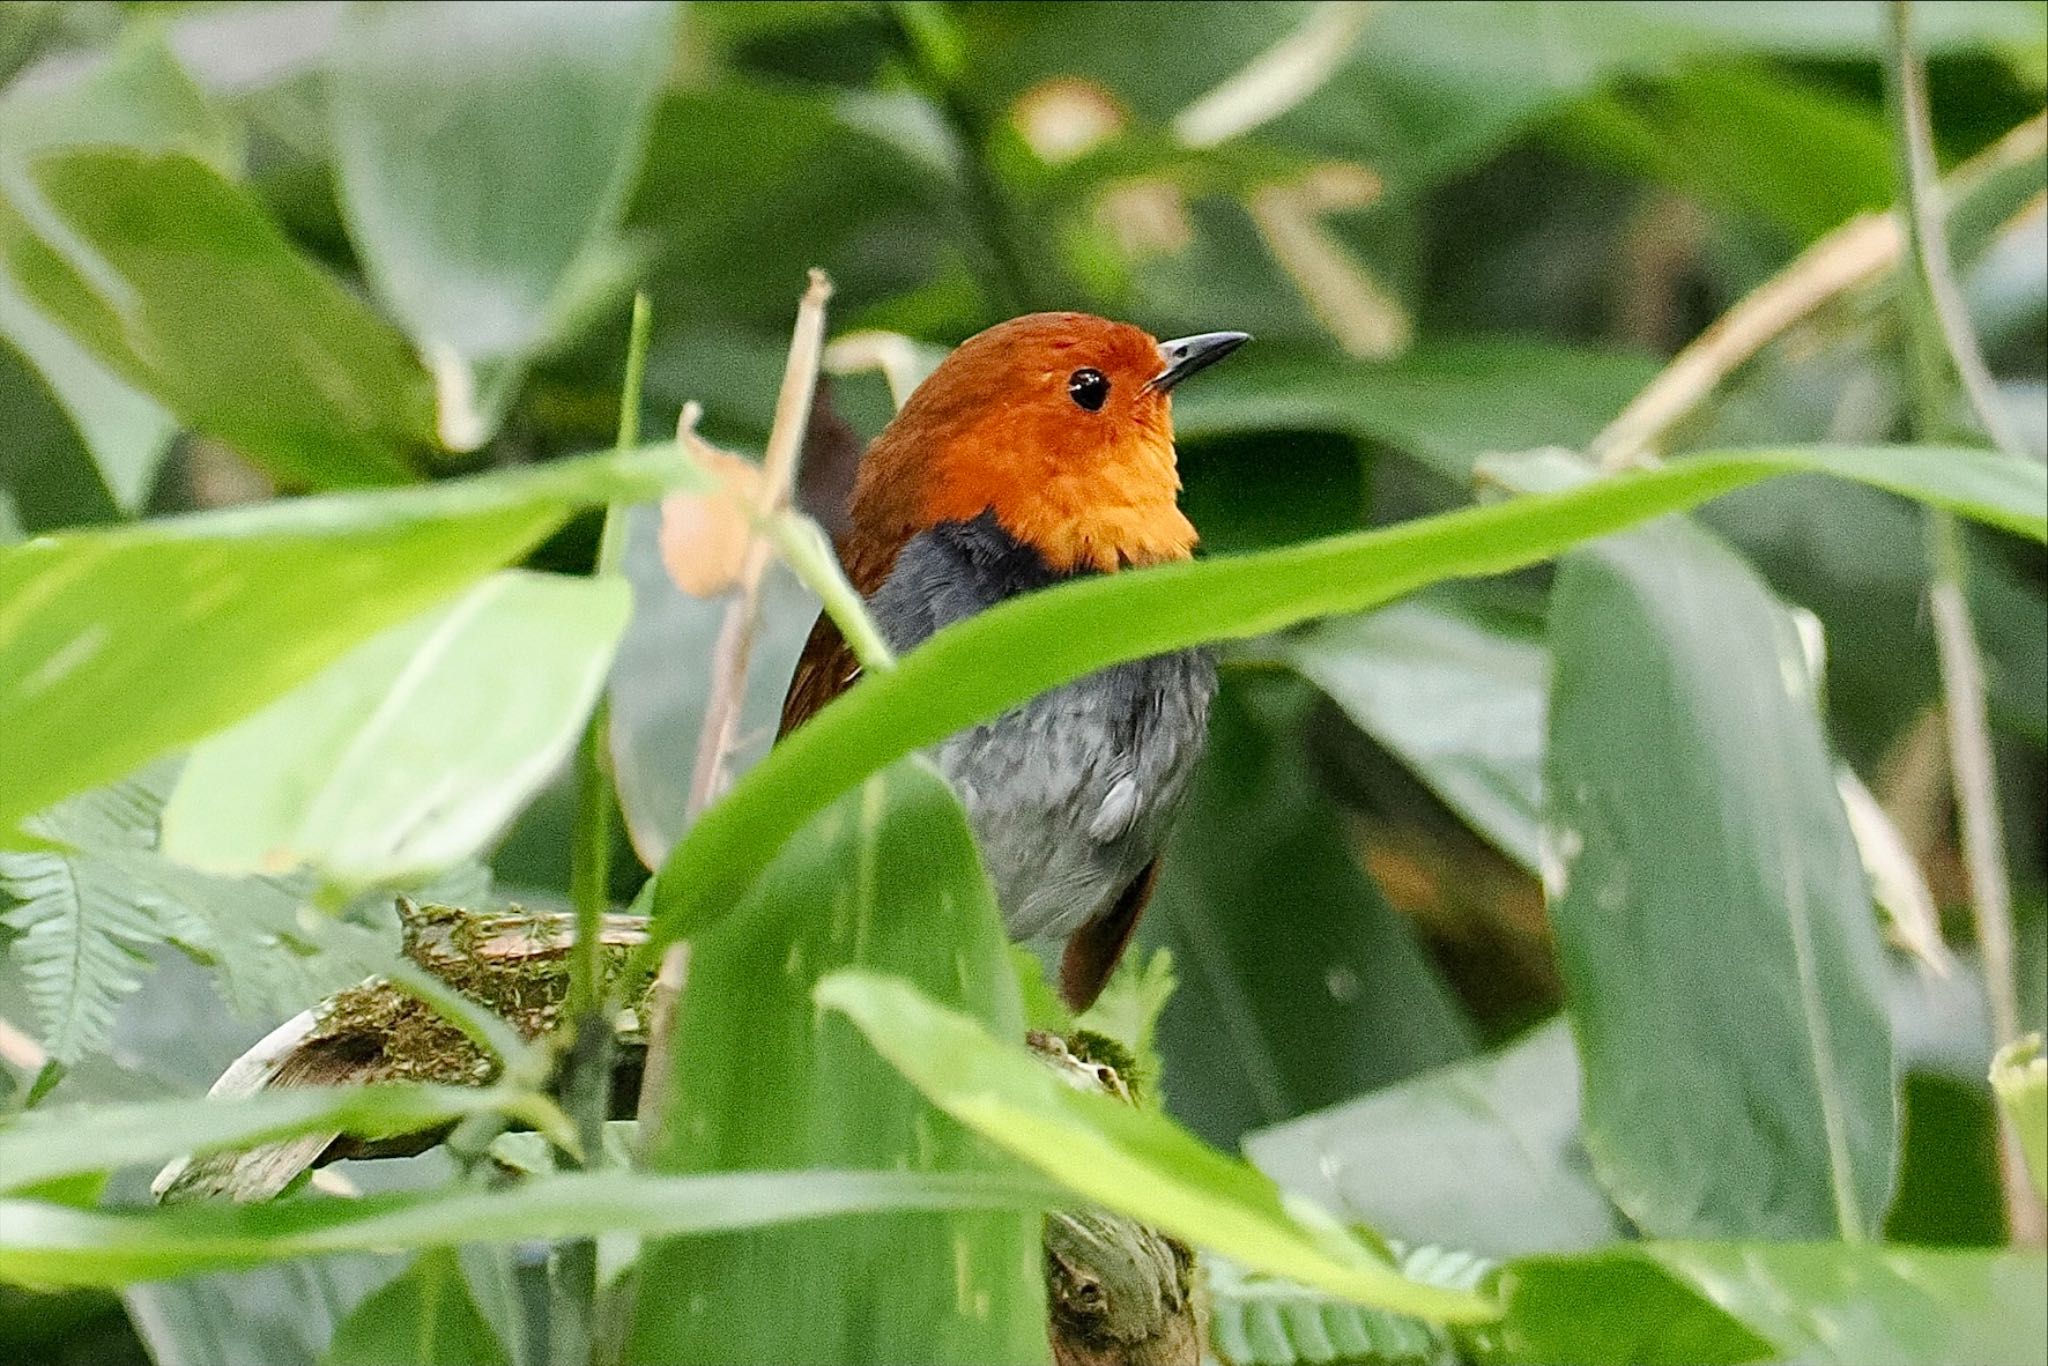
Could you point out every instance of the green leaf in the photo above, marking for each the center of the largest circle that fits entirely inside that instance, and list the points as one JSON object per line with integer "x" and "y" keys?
{"x": 1687, "y": 1304}
{"x": 886, "y": 878}
{"x": 50, "y": 1245}
{"x": 140, "y": 257}
{"x": 2019, "y": 1075}
{"x": 184, "y": 625}
{"x": 1276, "y": 1018}
{"x": 483, "y": 158}
{"x": 139, "y": 96}
{"x": 49, "y": 1143}
{"x": 1485, "y": 1155}
{"x": 973, "y": 670}
{"x": 1457, "y": 697}
{"x": 1442, "y": 403}
{"x": 1722, "y": 964}
{"x": 1133, "y": 1161}
{"x": 426, "y": 1317}
{"x": 410, "y": 753}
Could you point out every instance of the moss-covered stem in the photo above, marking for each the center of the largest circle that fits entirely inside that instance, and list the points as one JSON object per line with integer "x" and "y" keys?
{"x": 1943, "y": 356}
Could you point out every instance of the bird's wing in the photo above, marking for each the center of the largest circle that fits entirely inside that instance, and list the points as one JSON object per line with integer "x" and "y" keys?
{"x": 1093, "y": 950}
{"x": 826, "y": 669}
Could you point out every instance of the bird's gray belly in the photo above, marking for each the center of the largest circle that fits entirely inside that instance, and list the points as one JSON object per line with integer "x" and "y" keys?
{"x": 1071, "y": 794}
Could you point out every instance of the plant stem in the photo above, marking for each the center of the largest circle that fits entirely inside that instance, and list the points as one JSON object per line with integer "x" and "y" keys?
{"x": 586, "y": 1066}
{"x": 586, "y": 1072}
{"x": 1942, "y": 346}
{"x": 729, "y": 662}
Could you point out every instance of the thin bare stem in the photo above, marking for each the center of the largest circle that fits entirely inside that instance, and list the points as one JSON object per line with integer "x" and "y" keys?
{"x": 1940, "y": 336}
{"x": 730, "y": 659}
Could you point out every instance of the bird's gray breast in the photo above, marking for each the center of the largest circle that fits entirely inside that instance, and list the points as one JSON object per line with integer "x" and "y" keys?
{"x": 1070, "y": 794}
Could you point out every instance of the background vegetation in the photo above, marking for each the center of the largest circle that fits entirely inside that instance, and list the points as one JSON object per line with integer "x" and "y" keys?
{"x": 1578, "y": 926}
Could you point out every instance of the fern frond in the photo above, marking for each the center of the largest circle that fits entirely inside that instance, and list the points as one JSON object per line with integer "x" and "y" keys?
{"x": 83, "y": 928}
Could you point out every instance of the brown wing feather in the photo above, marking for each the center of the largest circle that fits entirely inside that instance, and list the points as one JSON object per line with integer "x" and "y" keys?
{"x": 824, "y": 670}
{"x": 1093, "y": 950}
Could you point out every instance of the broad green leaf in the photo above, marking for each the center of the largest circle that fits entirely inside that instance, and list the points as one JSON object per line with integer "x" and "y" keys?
{"x": 2020, "y": 1077}
{"x": 176, "y": 281}
{"x": 886, "y": 878}
{"x": 63, "y": 1141}
{"x": 1443, "y": 403}
{"x": 1133, "y": 1161}
{"x": 426, "y": 1317}
{"x": 1458, "y": 698}
{"x": 483, "y": 156}
{"x": 1721, "y": 958}
{"x": 1275, "y": 1018}
{"x": 184, "y": 625}
{"x": 974, "y": 670}
{"x": 1484, "y": 1155}
{"x": 50, "y": 1245}
{"x": 411, "y": 752}
{"x": 1830, "y": 1304}
{"x": 140, "y": 97}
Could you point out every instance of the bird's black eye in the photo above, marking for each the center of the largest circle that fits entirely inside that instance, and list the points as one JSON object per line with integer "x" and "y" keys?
{"x": 1089, "y": 388}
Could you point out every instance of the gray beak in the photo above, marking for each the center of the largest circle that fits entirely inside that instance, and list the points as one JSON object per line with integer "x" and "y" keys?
{"x": 1185, "y": 355}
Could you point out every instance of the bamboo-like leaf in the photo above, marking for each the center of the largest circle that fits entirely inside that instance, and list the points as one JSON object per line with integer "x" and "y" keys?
{"x": 1133, "y": 1161}
{"x": 973, "y": 670}
{"x": 48, "y": 1245}
{"x": 52, "y": 1143}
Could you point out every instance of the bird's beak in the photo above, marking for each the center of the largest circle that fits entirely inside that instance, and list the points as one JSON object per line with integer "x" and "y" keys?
{"x": 1185, "y": 355}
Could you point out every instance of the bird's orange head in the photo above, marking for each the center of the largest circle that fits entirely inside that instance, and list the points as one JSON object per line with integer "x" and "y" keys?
{"x": 1059, "y": 423}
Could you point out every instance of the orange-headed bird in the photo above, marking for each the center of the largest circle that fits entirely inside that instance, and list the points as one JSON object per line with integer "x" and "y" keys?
{"x": 1039, "y": 450}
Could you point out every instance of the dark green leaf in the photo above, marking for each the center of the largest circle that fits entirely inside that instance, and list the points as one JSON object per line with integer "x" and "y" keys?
{"x": 184, "y": 625}
{"x": 1443, "y": 403}
{"x": 1295, "y": 995}
{"x": 1724, "y": 974}
{"x": 1457, "y": 697}
{"x": 886, "y": 878}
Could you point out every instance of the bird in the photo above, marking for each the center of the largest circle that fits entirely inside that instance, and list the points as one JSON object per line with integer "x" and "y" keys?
{"x": 1038, "y": 451}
